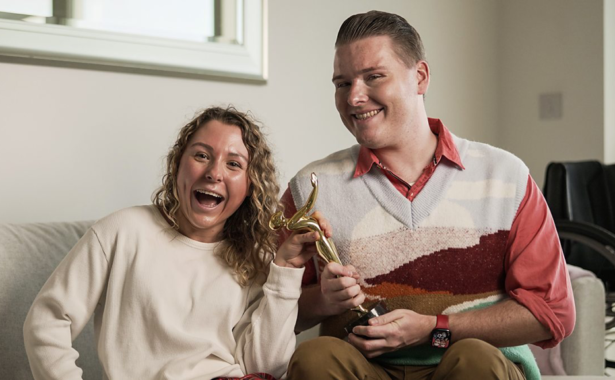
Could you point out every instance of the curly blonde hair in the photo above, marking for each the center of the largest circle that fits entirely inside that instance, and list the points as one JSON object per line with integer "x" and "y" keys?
{"x": 250, "y": 244}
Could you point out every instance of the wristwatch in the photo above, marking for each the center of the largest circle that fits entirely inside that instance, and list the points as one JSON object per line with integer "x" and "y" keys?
{"x": 441, "y": 335}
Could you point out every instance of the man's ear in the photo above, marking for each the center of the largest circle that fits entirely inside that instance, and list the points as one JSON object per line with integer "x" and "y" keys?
{"x": 422, "y": 77}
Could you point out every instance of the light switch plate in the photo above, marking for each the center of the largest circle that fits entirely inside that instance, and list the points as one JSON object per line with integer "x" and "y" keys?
{"x": 550, "y": 105}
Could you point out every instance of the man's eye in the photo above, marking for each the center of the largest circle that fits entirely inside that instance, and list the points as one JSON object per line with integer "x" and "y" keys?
{"x": 374, "y": 76}
{"x": 341, "y": 84}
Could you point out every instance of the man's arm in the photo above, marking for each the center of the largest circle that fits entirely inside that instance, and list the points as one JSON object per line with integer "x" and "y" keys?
{"x": 541, "y": 308}
{"x": 536, "y": 273}
{"x": 310, "y": 311}
{"x": 502, "y": 325}
{"x": 337, "y": 290}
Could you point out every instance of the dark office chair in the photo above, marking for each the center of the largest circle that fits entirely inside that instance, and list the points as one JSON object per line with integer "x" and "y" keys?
{"x": 584, "y": 193}
{"x": 581, "y": 197}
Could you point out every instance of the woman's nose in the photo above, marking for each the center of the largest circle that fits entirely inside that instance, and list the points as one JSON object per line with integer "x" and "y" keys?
{"x": 214, "y": 173}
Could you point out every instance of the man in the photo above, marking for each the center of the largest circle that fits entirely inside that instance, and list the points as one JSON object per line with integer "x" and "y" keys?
{"x": 452, "y": 235}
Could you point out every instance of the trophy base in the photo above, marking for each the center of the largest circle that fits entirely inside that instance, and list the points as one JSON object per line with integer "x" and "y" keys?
{"x": 375, "y": 311}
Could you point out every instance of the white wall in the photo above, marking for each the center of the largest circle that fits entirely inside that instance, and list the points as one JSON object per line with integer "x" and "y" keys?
{"x": 461, "y": 42}
{"x": 609, "y": 81}
{"x": 79, "y": 143}
{"x": 551, "y": 46}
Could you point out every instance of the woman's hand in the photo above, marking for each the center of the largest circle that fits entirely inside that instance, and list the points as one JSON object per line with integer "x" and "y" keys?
{"x": 300, "y": 247}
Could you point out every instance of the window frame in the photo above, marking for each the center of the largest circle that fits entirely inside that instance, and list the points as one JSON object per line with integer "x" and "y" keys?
{"x": 63, "y": 43}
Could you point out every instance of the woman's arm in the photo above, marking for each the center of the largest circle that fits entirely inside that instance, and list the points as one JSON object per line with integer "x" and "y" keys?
{"x": 265, "y": 335}
{"x": 62, "y": 309}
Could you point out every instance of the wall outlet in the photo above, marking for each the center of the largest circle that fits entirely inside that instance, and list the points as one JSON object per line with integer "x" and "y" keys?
{"x": 550, "y": 105}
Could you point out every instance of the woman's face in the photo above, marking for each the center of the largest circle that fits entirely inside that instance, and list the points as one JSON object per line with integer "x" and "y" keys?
{"x": 212, "y": 181}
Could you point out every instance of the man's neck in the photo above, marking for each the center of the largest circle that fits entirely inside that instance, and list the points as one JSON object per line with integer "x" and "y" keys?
{"x": 408, "y": 158}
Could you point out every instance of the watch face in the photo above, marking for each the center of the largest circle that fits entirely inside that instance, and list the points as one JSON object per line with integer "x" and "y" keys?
{"x": 440, "y": 338}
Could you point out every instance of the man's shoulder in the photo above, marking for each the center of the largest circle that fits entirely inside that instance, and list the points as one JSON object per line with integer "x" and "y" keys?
{"x": 475, "y": 152}
{"x": 341, "y": 162}
{"x": 499, "y": 171}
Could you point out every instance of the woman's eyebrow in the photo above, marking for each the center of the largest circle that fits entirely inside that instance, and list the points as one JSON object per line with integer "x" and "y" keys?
{"x": 206, "y": 146}
{"x": 235, "y": 154}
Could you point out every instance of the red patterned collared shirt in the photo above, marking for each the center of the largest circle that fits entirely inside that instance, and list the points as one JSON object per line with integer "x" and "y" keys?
{"x": 445, "y": 149}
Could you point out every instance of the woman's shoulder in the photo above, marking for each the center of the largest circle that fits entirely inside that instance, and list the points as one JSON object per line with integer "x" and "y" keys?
{"x": 130, "y": 219}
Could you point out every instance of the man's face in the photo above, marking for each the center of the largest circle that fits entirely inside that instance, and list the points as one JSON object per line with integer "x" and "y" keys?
{"x": 377, "y": 95}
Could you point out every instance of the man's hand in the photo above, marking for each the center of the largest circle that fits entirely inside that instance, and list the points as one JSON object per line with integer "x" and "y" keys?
{"x": 340, "y": 289}
{"x": 337, "y": 292}
{"x": 390, "y": 332}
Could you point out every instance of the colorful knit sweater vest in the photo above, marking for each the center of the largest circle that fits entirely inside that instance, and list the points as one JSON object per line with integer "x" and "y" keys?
{"x": 442, "y": 253}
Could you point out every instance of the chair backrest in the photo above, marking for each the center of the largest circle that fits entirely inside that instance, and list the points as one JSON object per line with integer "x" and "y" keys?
{"x": 609, "y": 171}
{"x": 28, "y": 255}
{"x": 581, "y": 192}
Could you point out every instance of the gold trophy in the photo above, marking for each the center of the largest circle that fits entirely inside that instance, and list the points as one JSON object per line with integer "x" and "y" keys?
{"x": 301, "y": 221}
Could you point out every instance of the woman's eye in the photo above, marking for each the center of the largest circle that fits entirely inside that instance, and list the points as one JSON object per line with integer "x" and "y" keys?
{"x": 202, "y": 156}
{"x": 235, "y": 164}
{"x": 374, "y": 76}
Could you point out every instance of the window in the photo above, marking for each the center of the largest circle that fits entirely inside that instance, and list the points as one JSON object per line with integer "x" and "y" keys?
{"x": 213, "y": 37}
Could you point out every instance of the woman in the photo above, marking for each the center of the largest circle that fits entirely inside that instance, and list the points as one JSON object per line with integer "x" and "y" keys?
{"x": 186, "y": 288}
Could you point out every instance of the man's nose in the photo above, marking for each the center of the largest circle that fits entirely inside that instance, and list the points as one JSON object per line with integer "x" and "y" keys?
{"x": 357, "y": 95}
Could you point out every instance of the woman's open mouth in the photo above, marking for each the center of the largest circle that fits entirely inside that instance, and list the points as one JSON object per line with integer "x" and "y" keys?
{"x": 208, "y": 199}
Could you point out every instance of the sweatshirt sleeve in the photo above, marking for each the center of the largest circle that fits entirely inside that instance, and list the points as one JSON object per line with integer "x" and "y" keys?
{"x": 265, "y": 334}
{"x": 536, "y": 274}
{"x": 62, "y": 309}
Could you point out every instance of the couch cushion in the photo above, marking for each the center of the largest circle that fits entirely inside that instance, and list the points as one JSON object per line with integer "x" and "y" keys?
{"x": 29, "y": 253}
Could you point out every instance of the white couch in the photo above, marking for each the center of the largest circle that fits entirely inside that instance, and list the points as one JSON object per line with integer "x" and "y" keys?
{"x": 30, "y": 252}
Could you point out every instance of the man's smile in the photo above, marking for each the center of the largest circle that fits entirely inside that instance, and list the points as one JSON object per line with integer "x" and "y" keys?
{"x": 366, "y": 115}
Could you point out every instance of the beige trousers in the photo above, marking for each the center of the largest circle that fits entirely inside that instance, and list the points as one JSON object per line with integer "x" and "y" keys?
{"x": 331, "y": 358}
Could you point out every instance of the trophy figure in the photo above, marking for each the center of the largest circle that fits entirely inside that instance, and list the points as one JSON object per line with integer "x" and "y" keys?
{"x": 301, "y": 221}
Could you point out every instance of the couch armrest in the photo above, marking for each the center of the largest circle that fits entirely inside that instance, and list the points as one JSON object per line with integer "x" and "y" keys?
{"x": 583, "y": 350}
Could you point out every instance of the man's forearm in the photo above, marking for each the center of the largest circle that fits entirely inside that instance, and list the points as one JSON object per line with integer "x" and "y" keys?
{"x": 310, "y": 308}
{"x": 504, "y": 324}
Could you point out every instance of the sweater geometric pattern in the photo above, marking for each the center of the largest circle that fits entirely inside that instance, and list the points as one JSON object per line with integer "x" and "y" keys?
{"x": 442, "y": 253}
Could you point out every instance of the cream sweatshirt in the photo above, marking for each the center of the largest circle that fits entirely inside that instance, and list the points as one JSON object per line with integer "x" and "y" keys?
{"x": 165, "y": 306}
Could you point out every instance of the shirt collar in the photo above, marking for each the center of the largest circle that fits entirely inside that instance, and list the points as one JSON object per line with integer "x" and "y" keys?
{"x": 446, "y": 148}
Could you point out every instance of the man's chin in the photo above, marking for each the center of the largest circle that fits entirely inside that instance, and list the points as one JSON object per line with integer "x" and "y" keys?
{"x": 366, "y": 138}
{"x": 368, "y": 143}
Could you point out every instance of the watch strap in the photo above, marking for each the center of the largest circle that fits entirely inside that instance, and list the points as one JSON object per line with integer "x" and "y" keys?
{"x": 442, "y": 321}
